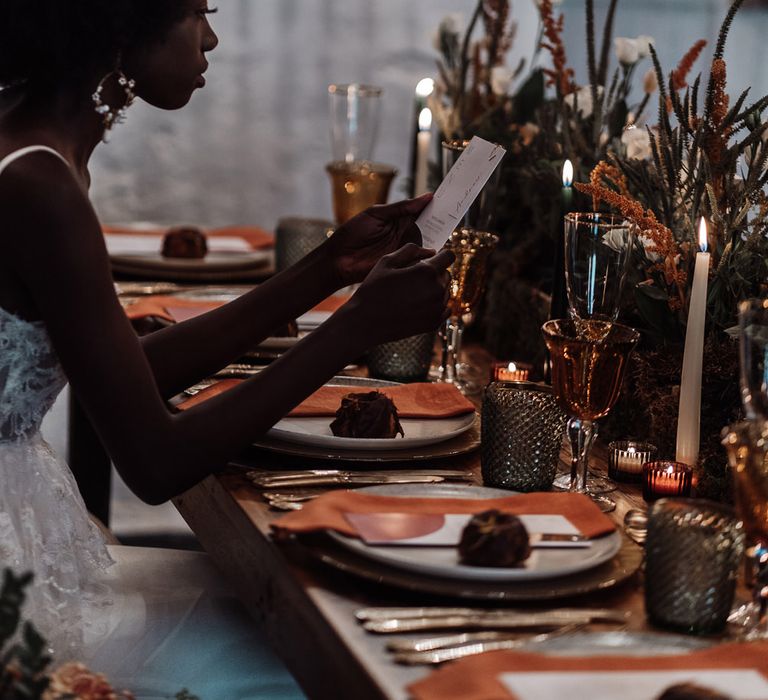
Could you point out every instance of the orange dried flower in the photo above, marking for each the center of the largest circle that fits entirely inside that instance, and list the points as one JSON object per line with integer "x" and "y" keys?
{"x": 76, "y": 680}
{"x": 720, "y": 98}
{"x": 610, "y": 174}
{"x": 680, "y": 74}
{"x": 560, "y": 76}
{"x": 659, "y": 238}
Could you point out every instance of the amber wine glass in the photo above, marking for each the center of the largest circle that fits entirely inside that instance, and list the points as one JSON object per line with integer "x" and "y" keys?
{"x": 472, "y": 249}
{"x": 589, "y": 358}
{"x": 747, "y": 446}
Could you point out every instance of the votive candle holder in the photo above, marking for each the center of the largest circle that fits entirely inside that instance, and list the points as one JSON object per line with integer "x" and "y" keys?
{"x": 666, "y": 479}
{"x": 626, "y": 459}
{"x": 510, "y": 372}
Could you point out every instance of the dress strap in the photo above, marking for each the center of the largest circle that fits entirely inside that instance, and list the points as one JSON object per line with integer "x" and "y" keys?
{"x": 11, "y": 157}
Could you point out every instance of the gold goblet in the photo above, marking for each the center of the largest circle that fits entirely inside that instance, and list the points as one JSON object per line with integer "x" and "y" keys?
{"x": 357, "y": 185}
{"x": 472, "y": 249}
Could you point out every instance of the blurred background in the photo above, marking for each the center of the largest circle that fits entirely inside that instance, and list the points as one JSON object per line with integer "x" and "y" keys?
{"x": 252, "y": 145}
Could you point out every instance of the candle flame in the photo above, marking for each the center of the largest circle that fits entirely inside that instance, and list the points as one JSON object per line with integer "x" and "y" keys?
{"x": 424, "y": 87}
{"x": 703, "y": 235}
{"x": 512, "y": 367}
{"x": 670, "y": 470}
{"x": 631, "y": 450}
{"x": 567, "y": 173}
{"x": 425, "y": 119}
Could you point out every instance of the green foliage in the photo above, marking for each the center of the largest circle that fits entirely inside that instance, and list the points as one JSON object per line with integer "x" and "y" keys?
{"x": 22, "y": 663}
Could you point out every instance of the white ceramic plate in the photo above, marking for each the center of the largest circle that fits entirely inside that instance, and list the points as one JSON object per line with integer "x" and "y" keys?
{"x": 444, "y": 561}
{"x": 418, "y": 432}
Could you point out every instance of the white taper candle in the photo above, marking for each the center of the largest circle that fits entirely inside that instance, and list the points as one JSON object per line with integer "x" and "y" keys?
{"x": 689, "y": 409}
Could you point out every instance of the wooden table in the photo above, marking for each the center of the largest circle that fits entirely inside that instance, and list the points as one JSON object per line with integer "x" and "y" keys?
{"x": 307, "y": 608}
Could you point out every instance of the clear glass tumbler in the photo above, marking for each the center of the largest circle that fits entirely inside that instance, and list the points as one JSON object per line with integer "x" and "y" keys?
{"x": 355, "y": 113}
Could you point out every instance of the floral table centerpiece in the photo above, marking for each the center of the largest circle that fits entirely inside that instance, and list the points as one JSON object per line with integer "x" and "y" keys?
{"x": 541, "y": 116}
{"x": 710, "y": 162}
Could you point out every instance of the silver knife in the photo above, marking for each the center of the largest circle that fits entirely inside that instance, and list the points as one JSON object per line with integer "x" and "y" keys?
{"x": 359, "y": 479}
{"x": 387, "y": 613}
{"x": 488, "y": 621}
{"x": 289, "y": 476}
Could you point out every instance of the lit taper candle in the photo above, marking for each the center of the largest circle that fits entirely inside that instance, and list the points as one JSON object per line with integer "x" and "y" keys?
{"x": 423, "y": 142}
{"x": 559, "y": 305}
{"x": 424, "y": 88}
{"x": 689, "y": 409}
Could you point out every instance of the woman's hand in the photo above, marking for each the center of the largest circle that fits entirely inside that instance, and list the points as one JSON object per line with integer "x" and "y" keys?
{"x": 359, "y": 244}
{"x": 406, "y": 293}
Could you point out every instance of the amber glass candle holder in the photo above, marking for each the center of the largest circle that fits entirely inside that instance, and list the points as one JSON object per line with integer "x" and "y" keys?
{"x": 666, "y": 479}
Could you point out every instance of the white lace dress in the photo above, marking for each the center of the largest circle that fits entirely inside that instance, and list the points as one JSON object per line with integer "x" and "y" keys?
{"x": 154, "y": 620}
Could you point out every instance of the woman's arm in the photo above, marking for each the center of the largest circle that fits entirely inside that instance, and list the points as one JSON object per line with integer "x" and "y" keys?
{"x": 55, "y": 242}
{"x": 183, "y": 353}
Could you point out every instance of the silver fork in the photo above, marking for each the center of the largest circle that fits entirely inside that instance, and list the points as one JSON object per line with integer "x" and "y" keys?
{"x": 443, "y": 654}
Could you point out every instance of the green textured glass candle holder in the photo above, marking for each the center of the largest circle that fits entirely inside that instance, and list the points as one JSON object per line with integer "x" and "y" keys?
{"x": 522, "y": 433}
{"x": 693, "y": 549}
{"x": 405, "y": 360}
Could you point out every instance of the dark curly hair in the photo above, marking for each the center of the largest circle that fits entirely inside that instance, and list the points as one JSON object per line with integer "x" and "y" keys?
{"x": 47, "y": 41}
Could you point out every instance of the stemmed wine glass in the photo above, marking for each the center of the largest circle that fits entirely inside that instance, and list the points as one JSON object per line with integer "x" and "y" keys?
{"x": 588, "y": 362}
{"x": 597, "y": 253}
{"x": 747, "y": 446}
{"x": 468, "y": 271}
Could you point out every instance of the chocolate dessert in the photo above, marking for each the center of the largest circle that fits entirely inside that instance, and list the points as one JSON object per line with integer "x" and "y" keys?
{"x": 493, "y": 538}
{"x": 689, "y": 691}
{"x": 368, "y": 415}
{"x": 184, "y": 242}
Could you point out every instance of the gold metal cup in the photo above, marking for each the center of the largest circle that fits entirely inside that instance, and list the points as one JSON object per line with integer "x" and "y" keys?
{"x": 358, "y": 185}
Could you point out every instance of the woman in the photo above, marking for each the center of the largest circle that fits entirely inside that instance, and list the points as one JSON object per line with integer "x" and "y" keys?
{"x": 69, "y": 69}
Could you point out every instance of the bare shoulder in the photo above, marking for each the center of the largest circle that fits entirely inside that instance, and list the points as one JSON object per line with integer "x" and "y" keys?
{"x": 41, "y": 198}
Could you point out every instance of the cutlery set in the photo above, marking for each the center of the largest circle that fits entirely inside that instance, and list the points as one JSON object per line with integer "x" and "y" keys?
{"x": 487, "y": 629}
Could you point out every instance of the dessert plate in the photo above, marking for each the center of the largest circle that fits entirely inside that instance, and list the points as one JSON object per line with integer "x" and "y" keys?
{"x": 444, "y": 561}
{"x": 316, "y": 432}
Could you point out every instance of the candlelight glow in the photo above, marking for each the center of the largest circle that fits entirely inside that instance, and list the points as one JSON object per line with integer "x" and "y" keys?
{"x": 512, "y": 367}
{"x": 703, "y": 235}
{"x": 425, "y": 119}
{"x": 567, "y": 173}
{"x": 670, "y": 470}
{"x": 424, "y": 87}
{"x": 631, "y": 450}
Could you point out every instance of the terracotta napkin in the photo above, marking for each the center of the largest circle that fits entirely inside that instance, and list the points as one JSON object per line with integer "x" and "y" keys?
{"x": 418, "y": 400}
{"x": 257, "y": 238}
{"x": 175, "y": 309}
{"x": 477, "y": 677}
{"x": 327, "y": 511}
{"x": 180, "y": 309}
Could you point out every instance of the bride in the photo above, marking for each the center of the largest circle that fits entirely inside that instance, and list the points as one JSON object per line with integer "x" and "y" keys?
{"x": 68, "y": 70}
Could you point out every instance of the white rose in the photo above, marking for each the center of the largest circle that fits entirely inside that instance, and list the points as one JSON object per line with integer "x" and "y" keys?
{"x": 501, "y": 79}
{"x": 650, "y": 81}
{"x": 647, "y": 243}
{"x": 644, "y": 45}
{"x": 616, "y": 239}
{"x": 627, "y": 50}
{"x": 452, "y": 23}
{"x": 581, "y": 100}
{"x": 637, "y": 142}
